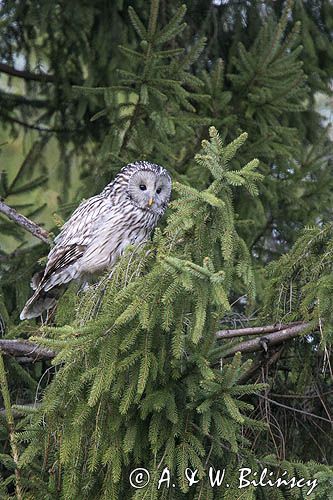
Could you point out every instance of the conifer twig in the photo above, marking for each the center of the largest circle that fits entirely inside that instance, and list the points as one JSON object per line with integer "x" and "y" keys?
{"x": 295, "y": 409}
{"x": 11, "y": 427}
{"x": 24, "y": 222}
{"x": 19, "y": 410}
{"x": 26, "y": 75}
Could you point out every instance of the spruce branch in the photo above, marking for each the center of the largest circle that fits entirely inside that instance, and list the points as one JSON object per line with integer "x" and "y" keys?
{"x": 26, "y": 75}
{"x": 19, "y": 410}
{"x": 24, "y": 222}
{"x": 34, "y": 152}
{"x": 19, "y": 100}
{"x": 154, "y": 6}
{"x": 11, "y": 427}
{"x": 137, "y": 24}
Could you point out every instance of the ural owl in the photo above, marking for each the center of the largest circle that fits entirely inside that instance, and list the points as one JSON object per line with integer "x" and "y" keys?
{"x": 124, "y": 213}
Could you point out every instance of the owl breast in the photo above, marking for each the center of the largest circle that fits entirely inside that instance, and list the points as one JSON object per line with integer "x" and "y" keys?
{"x": 111, "y": 237}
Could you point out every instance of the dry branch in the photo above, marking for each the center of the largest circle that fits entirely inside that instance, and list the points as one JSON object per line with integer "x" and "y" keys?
{"x": 24, "y": 222}
{"x": 27, "y": 351}
{"x": 255, "y": 330}
{"x": 261, "y": 360}
{"x": 24, "y": 348}
{"x": 271, "y": 339}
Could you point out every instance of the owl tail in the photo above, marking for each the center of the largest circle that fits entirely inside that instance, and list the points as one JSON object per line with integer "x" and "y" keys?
{"x": 41, "y": 300}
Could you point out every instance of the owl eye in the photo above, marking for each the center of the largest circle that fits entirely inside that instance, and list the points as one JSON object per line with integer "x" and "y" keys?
{"x": 143, "y": 187}
{"x": 158, "y": 190}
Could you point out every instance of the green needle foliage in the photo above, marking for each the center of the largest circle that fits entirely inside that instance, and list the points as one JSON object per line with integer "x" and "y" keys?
{"x": 139, "y": 381}
{"x": 303, "y": 281}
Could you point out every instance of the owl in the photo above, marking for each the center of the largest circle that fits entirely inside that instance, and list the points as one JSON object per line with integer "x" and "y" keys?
{"x": 124, "y": 213}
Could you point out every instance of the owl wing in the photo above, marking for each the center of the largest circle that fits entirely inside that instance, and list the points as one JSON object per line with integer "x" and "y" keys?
{"x": 78, "y": 227}
{"x": 71, "y": 242}
{"x": 63, "y": 260}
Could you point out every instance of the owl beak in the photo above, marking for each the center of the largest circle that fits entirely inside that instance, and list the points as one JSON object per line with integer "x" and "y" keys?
{"x": 150, "y": 201}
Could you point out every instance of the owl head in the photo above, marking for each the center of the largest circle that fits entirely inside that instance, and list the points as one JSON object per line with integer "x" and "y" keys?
{"x": 149, "y": 186}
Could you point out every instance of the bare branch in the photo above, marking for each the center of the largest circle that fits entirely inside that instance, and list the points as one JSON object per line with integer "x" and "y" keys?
{"x": 273, "y": 338}
{"x": 26, "y": 223}
{"x": 262, "y": 232}
{"x": 27, "y": 75}
{"x": 295, "y": 409}
{"x": 255, "y": 330}
{"x": 24, "y": 348}
{"x": 299, "y": 396}
{"x": 26, "y": 351}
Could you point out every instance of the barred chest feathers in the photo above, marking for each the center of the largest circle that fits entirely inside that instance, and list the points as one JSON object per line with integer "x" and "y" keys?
{"x": 113, "y": 234}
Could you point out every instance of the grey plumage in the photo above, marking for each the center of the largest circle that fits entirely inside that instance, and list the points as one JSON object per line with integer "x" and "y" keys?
{"x": 124, "y": 213}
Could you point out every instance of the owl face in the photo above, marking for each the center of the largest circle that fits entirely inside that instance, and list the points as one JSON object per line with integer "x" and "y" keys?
{"x": 150, "y": 189}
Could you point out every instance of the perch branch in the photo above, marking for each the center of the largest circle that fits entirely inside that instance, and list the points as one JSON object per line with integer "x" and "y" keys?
{"x": 26, "y": 223}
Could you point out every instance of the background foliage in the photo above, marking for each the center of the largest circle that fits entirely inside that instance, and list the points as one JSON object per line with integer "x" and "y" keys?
{"x": 87, "y": 87}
